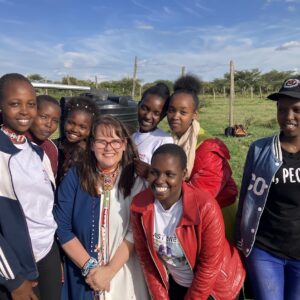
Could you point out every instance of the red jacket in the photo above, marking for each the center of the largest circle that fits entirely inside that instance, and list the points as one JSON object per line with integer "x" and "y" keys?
{"x": 217, "y": 268}
{"x": 212, "y": 172}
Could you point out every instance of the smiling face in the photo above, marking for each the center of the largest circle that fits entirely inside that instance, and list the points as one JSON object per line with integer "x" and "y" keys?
{"x": 150, "y": 112}
{"x": 78, "y": 126}
{"x": 46, "y": 121}
{"x": 181, "y": 112}
{"x": 165, "y": 177}
{"x": 18, "y": 106}
{"x": 108, "y": 147}
{"x": 288, "y": 116}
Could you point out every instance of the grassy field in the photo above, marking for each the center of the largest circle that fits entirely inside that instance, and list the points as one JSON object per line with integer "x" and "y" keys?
{"x": 258, "y": 115}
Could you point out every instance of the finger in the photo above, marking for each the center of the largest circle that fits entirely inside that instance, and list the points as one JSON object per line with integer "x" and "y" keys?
{"x": 34, "y": 283}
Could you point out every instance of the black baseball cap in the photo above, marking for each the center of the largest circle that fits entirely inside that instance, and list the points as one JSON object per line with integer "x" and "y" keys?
{"x": 290, "y": 88}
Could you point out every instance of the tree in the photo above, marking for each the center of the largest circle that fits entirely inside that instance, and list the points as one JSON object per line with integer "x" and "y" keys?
{"x": 273, "y": 80}
{"x": 36, "y": 78}
{"x": 246, "y": 79}
{"x": 69, "y": 80}
{"x": 121, "y": 87}
{"x": 168, "y": 83}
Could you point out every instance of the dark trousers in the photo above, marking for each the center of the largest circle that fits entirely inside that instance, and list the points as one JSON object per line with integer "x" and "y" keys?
{"x": 176, "y": 291}
{"x": 49, "y": 280}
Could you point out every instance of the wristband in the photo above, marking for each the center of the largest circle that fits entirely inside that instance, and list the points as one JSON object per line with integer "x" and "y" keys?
{"x": 90, "y": 264}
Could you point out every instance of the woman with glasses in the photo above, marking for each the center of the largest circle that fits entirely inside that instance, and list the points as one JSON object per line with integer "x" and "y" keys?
{"x": 93, "y": 218}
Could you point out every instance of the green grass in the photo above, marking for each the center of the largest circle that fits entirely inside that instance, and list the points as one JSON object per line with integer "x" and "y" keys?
{"x": 258, "y": 115}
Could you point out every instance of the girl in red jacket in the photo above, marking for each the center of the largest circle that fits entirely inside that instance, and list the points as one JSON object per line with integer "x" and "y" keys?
{"x": 179, "y": 236}
{"x": 207, "y": 164}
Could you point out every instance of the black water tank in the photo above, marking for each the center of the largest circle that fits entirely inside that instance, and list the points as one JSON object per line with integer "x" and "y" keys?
{"x": 122, "y": 107}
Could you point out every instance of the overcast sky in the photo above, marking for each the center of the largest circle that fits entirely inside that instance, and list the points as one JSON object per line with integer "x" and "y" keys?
{"x": 100, "y": 38}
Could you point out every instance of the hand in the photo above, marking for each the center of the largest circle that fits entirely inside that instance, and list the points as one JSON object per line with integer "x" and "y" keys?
{"x": 62, "y": 273}
{"x": 141, "y": 168}
{"x": 24, "y": 292}
{"x": 99, "y": 278}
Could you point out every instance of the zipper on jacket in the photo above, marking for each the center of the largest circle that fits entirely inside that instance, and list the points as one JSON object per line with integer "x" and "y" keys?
{"x": 188, "y": 260}
{"x": 27, "y": 230}
{"x": 152, "y": 255}
{"x": 183, "y": 251}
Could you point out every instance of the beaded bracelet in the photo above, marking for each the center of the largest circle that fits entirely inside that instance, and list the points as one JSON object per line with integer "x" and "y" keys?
{"x": 90, "y": 264}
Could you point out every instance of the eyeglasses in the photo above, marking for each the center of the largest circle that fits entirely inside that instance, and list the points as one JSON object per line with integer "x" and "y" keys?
{"x": 102, "y": 144}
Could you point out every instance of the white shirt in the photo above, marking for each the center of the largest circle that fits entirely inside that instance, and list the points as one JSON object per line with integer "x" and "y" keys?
{"x": 148, "y": 142}
{"x": 166, "y": 244}
{"x": 34, "y": 191}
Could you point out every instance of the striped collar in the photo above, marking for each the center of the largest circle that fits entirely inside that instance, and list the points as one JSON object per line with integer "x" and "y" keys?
{"x": 276, "y": 147}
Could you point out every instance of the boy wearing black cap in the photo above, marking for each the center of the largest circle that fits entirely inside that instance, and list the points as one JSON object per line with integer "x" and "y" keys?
{"x": 268, "y": 218}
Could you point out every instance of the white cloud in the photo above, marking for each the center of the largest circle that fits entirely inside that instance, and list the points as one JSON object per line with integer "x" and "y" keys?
{"x": 205, "y": 51}
{"x": 11, "y": 21}
{"x": 291, "y": 8}
{"x": 140, "y": 5}
{"x": 199, "y": 4}
{"x": 167, "y": 10}
{"x": 143, "y": 26}
{"x": 73, "y": 59}
{"x": 288, "y": 45}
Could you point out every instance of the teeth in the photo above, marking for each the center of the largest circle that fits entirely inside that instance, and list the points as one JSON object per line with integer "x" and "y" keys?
{"x": 25, "y": 122}
{"x": 147, "y": 123}
{"x": 290, "y": 126}
{"x": 161, "y": 189}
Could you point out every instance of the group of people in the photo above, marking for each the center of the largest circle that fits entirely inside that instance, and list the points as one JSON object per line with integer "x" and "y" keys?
{"x": 104, "y": 213}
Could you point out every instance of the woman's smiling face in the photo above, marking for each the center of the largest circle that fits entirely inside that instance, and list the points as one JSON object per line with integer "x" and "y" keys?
{"x": 18, "y": 106}
{"x": 165, "y": 177}
{"x": 288, "y": 116}
{"x": 108, "y": 147}
{"x": 78, "y": 126}
{"x": 181, "y": 112}
{"x": 150, "y": 112}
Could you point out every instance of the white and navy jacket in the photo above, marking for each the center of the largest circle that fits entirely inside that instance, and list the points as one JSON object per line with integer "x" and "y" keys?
{"x": 264, "y": 158}
{"x": 17, "y": 261}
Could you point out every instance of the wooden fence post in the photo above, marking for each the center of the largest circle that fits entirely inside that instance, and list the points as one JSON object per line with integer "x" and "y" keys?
{"x": 232, "y": 94}
{"x": 183, "y": 71}
{"x": 134, "y": 76}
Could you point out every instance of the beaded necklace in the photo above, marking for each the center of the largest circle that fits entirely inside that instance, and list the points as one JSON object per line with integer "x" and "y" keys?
{"x": 107, "y": 183}
{"x": 14, "y": 137}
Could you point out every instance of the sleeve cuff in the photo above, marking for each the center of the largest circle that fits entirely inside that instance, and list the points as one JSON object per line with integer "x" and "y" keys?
{"x": 13, "y": 284}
